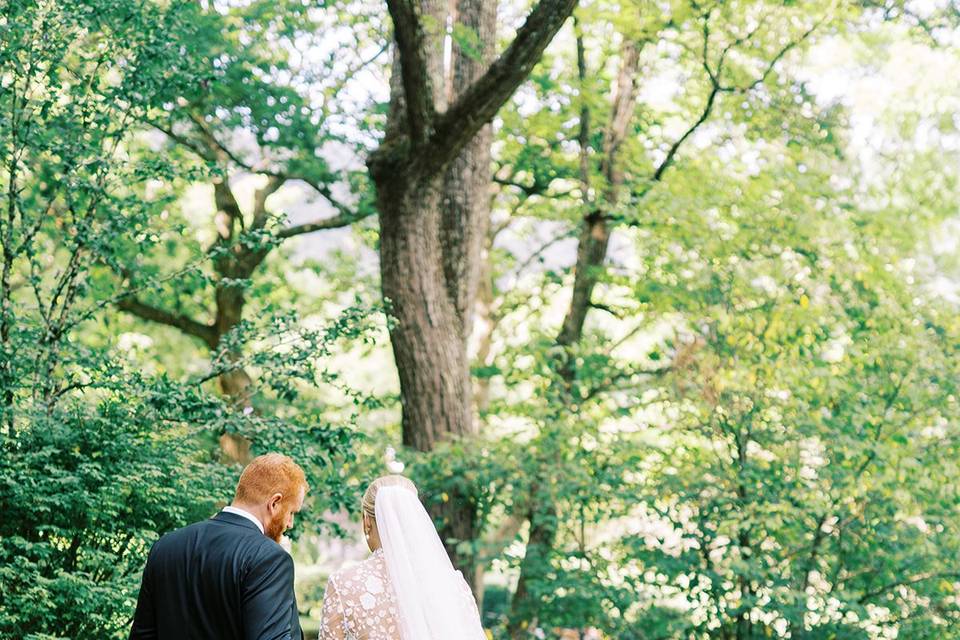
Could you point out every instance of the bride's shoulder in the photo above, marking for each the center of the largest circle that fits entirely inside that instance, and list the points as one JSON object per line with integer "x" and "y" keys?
{"x": 359, "y": 572}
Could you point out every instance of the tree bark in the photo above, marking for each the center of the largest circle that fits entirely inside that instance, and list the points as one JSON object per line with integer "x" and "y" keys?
{"x": 426, "y": 337}
{"x": 466, "y": 190}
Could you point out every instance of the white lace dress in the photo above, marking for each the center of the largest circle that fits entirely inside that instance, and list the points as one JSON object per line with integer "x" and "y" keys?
{"x": 360, "y": 603}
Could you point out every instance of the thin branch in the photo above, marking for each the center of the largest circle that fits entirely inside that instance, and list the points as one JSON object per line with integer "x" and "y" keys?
{"x": 527, "y": 190}
{"x": 929, "y": 29}
{"x": 62, "y": 391}
{"x": 227, "y": 202}
{"x": 219, "y": 149}
{"x": 773, "y": 62}
{"x": 888, "y": 403}
{"x": 280, "y": 177}
{"x": 623, "y": 339}
{"x": 568, "y": 233}
{"x": 739, "y": 41}
{"x": 345, "y": 219}
{"x": 668, "y": 159}
{"x": 182, "y": 140}
{"x": 705, "y": 54}
{"x": 94, "y": 308}
{"x": 818, "y": 537}
{"x": 605, "y": 307}
{"x": 325, "y": 191}
{"x": 906, "y": 583}
{"x": 715, "y": 88}
{"x": 360, "y": 66}
{"x": 624, "y": 374}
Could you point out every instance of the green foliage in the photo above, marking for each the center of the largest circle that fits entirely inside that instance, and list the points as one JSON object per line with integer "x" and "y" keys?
{"x": 740, "y": 445}
{"x": 87, "y": 487}
{"x": 810, "y": 377}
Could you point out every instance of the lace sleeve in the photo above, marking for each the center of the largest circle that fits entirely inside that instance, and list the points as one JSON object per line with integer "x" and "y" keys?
{"x": 332, "y": 621}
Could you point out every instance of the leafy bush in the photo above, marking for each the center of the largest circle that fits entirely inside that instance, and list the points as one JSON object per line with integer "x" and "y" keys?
{"x": 85, "y": 490}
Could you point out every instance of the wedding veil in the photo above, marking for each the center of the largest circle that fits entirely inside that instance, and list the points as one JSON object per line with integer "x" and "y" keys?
{"x": 433, "y": 599}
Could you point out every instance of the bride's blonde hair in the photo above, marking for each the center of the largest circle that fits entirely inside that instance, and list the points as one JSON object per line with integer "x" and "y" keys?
{"x": 370, "y": 495}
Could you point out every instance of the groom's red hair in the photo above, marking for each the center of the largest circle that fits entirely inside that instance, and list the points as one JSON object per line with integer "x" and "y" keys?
{"x": 269, "y": 474}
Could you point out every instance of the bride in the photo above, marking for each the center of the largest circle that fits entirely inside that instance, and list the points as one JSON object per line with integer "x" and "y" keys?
{"x": 407, "y": 589}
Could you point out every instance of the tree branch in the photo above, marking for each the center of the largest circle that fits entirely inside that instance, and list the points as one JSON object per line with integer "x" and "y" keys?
{"x": 218, "y": 149}
{"x": 672, "y": 152}
{"x": 773, "y": 62}
{"x": 538, "y": 252}
{"x": 739, "y": 41}
{"x": 583, "y": 135}
{"x": 277, "y": 179}
{"x": 227, "y": 205}
{"x": 595, "y": 232}
{"x": 204, "y": 332}
{"x": 481, "y": 101}
{"x": 716, "y": 87}
{"x": 260, "y": 214}
{"x": 605, "y": 307}
{"x": 411, "y": 49}
{"x": 183, "y": 141}
{"x": 356, "y": 69}
{"x": 527, "y": 190}
{"x": 906, "y": 583}
{"x": 226, "y": 201}
{"x": 344, "y": 219}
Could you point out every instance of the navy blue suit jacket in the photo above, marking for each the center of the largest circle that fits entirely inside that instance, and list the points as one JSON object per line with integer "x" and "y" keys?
{"x": 220, "y": 579}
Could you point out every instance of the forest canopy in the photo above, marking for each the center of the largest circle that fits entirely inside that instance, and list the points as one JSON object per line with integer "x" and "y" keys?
{"x": 657, "y": 302}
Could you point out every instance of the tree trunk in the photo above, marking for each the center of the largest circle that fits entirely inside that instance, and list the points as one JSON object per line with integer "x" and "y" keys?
{"x": 534, "y": 567}
{"x": 428, "y": 257}
{"x": 426, "y": 337}
{"x": 464, "y": 220}
{"x": 427, "y": 340}
{"x": 430, "y": 249}
{"x": 6, "y": 322}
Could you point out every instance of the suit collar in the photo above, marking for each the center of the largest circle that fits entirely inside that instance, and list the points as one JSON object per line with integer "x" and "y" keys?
{"x": 233, "y": 518}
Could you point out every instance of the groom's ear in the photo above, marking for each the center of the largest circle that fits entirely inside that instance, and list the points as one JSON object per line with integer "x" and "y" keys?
{"x": 273, "y": 504}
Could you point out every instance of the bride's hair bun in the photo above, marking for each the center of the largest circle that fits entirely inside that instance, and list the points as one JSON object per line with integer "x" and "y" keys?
{"x": 370, "y": 495}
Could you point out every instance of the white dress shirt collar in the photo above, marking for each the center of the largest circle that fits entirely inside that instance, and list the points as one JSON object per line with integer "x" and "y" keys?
{"x": 246, "y": 514}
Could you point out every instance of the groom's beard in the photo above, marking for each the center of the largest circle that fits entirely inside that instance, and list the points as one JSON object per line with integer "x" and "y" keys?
{"x": 275, "y": 528}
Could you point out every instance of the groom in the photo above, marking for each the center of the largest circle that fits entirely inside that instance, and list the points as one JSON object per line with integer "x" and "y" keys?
{"x": 227, "y": 578}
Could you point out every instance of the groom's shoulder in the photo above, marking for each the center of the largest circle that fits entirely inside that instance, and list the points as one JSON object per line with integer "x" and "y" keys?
{"x": 221, "y": 539}
{"x": 172, "y": 538}
{"x": 208, "y": 530}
